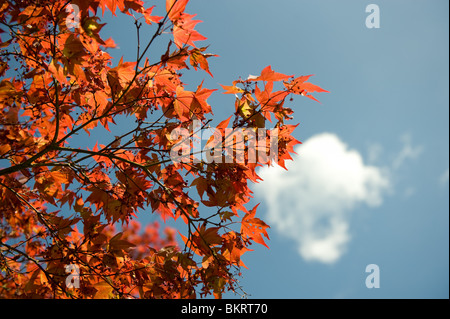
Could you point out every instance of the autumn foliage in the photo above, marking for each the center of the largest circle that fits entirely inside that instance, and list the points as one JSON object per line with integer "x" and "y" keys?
{"x": 65, "y": 201}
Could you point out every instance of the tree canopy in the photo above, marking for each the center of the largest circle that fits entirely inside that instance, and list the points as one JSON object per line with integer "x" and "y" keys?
{"x": 68, "y": 217}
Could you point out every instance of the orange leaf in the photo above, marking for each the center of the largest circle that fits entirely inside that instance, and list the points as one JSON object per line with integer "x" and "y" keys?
{"x": 299, "y": 86}
{"x": 57, "y": 72}
{"x": 269, "y": 75}
{"x": 123, "y": 72}
{"x": 104, "y": 290}
{"x": 116, "y": 243}
{"x": 200, "y": 59}
{"x": 231, "y": 89}
{"x": 254, "y": 228}
{"x": 148, "y": 16}
{"x": 224, "y": 124}
{"x": 185, "y": 33}
{"x": 5, "y": 148}
{"x": 175, "y": 7}
{"x": 59, "y": 177}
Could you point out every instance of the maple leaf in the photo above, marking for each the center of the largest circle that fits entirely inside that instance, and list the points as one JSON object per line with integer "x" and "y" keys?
{"x": 57, "y": 72}
{"x": 184, "y": 33}
{"x": 92, "y": 28}
{"x": 209, "y": 236}
{"x": 73, "y": 49}
{"x": 183, "y": 103}
{"x": 203, "y": 239}
{"x": 149, "y": 18}
{"x": 231, "y": 89}
{"x": 122, "y": 74}
{"x": 202, "y": 185}
{"x": 175, "y": 8}
{"x": 299, "y": 86}
{"x": 234, "y": 248}
{"x": 103, "y": 290}
{"x": 117, "y": 245}
{"x": 176, "y": 59}
{"x": 201, "y": 95}
{"x": 224, "y": 124}
{"x": 198, "y": 58}
{"x": 254, "y": 228}
{"x": 268, "y": 74}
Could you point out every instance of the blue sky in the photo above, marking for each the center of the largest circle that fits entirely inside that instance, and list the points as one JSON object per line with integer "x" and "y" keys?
{"x": 371, "y": 182}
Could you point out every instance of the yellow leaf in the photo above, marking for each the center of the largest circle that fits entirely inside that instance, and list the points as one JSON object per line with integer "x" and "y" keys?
{"x": 245, "y": 109}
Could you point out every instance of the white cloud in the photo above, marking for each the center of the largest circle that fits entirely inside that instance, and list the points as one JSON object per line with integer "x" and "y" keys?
{"x": 310, "y": 203}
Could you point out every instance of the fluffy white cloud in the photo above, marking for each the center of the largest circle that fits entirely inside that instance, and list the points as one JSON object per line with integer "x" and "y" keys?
{"x": 310, "y": 203}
